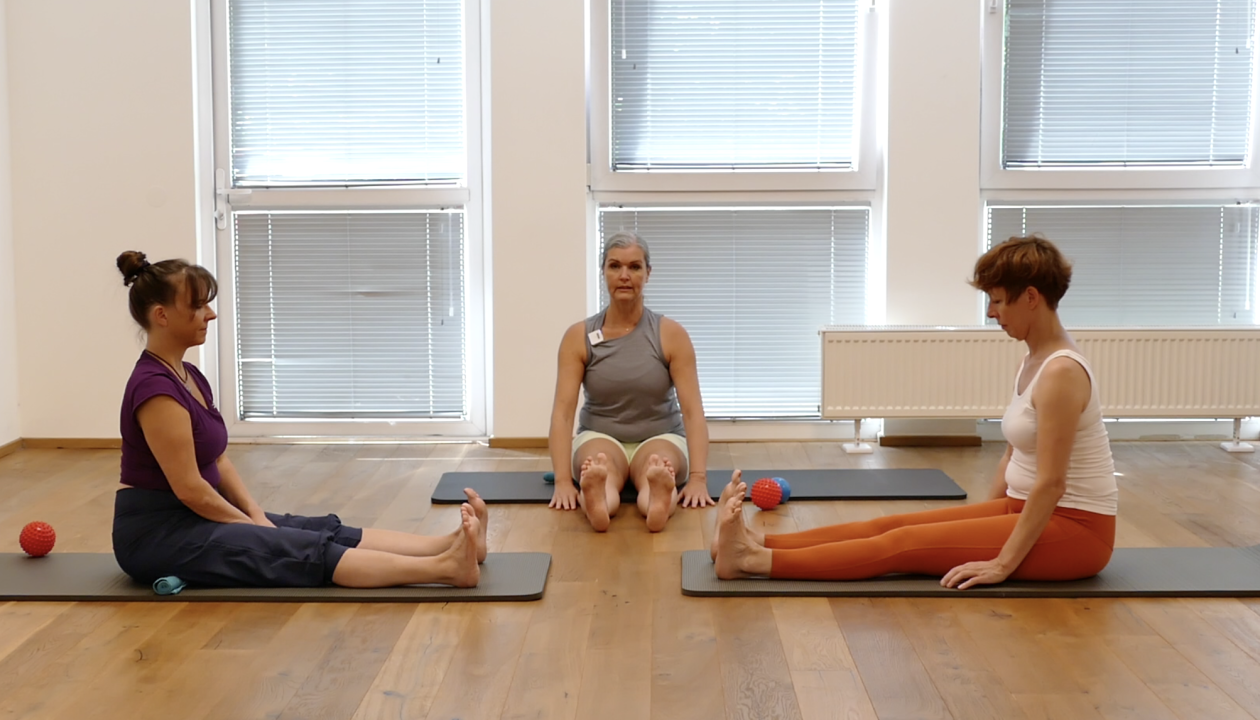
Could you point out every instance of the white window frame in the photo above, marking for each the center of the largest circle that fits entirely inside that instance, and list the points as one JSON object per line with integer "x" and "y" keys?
{"x": 214, "y": 126}
{"x": 1244, "y": 181}
{"x": 864, "y": 177}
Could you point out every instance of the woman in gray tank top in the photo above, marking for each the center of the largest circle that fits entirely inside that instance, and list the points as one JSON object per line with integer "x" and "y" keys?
{"x": 643, "y": 420}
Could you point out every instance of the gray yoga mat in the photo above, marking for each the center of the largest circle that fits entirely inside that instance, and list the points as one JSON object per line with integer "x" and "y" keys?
{"x": 846, "y": 484}
{"x": 1146, "y": 572}
{"x": 95, "y": 576}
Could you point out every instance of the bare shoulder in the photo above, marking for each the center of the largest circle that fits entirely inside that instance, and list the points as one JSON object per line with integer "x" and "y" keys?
{"x": 573, "y": 344}
{"x": 672, "y": 329}
{"x": 574, "y": 332}
{"x": 1064, "y": 377}
{"x": 674, "y": 337}
{"x": 1065, "y": 369}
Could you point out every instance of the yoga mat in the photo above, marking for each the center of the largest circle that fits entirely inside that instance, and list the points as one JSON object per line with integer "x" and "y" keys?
{"x": 846, "y": 484}
{"x": 1132, "y": 572}
{"x": 95, "y": 576}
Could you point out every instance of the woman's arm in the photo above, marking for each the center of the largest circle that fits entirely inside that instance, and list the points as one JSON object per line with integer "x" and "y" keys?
{"x": 1059, "y": 399}
{"x": 681, "y": 356}
{"x": 571, "y": 367}
{"x": 998, "y": 490}
{"x": 232, "y": 487}
{"x": 167, "y": 428}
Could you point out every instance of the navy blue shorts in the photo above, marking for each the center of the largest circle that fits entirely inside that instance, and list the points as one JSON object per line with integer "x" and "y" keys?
{"x": 156, "y": 534}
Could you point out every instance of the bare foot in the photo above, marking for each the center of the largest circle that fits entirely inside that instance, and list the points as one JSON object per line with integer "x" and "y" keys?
{"x": 736, "y": 555}
{"x": 734, "y": 488}
{"x": 594, "y": 484}
{"x": 483, "y": 517}
{"x": 460, "y": 560}
{"x": 660, "y": 478}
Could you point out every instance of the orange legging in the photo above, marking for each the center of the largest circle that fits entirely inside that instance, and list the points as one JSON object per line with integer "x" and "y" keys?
{"x": 1075, "y": 544}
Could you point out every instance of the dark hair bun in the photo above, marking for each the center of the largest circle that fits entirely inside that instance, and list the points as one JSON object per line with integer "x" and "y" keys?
{"x": 131, "y": 264}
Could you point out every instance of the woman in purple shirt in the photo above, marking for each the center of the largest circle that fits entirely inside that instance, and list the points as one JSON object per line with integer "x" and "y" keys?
{"x": 183, "y": 509}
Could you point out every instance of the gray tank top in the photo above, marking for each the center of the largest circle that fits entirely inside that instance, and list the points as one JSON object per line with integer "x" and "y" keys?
{"x": 629, "y": 393}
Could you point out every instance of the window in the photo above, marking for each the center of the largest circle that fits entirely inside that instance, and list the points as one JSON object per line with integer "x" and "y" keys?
{"x": 1124, "y": 131}
{"x": 343, "y": 92}
{"x": 1127, "y": 83}
{"x": 1148, "y": 266}
{"x": 736, "y": 85}
{"x": 348, "y": 213}
{"x": 737, "y": 138}
{"x": 1120, "y": 95}
{"x": 740, "y": 95}
{"x": 350, "y": 314}
{"x": 752, "y": 287}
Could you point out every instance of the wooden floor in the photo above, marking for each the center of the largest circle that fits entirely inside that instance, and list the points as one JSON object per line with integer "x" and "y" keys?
{"x": 613, "y": 637}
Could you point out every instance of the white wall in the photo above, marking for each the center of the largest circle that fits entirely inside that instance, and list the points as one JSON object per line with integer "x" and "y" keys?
{"x": 932, "y": 179}
{"x": 101, "y": 113}
{"x": 9, "y": 421}
{"x": 537, "y": 196}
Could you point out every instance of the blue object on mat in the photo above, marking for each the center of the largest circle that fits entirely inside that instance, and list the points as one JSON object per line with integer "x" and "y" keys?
{"x": 169, "y": 585}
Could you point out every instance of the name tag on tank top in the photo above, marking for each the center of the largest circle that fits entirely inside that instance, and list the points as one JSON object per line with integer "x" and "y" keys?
{"x": 596, "y": 337}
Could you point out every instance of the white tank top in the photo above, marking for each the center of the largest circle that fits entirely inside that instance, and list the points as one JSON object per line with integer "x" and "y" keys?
{"x": 1091, "y": 479}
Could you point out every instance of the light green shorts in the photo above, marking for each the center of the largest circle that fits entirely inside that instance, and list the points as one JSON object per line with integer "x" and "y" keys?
{"x": 630, "y": 448}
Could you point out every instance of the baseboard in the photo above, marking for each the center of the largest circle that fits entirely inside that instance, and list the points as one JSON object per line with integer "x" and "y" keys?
{"x": 930, "y": 440}
{"x": 72, "y": 443}
{"x": 518, "y": 443}
{"x": 10, "y": 447}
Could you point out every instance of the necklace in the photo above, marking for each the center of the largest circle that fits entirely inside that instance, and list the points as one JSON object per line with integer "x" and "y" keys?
{"x": 186, "y": 376}
{"x": 621, "y": 327}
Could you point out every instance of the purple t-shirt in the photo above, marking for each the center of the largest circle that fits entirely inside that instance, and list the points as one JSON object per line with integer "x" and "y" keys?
{"x": 149, "y": 379}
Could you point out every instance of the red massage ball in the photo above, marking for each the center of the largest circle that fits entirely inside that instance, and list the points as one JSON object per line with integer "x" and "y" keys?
{"x": 37, "y": 539}
{"x": 766, "y": 494}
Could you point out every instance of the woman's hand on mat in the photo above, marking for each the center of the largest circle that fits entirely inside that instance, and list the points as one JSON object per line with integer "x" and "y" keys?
{"x": 695, "y": 494}
{"x": 987, "y": 572}
{"x": 565, "y": 496}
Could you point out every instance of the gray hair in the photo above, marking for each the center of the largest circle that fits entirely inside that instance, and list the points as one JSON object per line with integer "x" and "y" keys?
{"x": 625, "y": 239}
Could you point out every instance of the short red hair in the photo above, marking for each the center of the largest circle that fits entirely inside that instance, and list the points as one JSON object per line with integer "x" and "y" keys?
{"x": 1021, "y": 263}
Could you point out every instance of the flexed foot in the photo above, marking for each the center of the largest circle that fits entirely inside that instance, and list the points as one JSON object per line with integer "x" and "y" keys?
{"x": 736, "y": 556}
{"x": 734, "y": 488}
{"x": 660, "y": 480}
{"x": 483, "y": 519}
{"x": 459, "y": 562}
{"x": 594, "y": 484}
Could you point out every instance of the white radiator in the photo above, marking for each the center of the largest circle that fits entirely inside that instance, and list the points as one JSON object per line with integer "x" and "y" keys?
{"x": 970, "y": 372}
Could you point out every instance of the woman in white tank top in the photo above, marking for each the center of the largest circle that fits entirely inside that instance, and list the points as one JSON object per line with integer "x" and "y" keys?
{"x": 1050, "y": 514}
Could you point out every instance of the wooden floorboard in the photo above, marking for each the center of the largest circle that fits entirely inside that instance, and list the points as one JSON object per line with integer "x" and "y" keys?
{"x": 613, "y": 638}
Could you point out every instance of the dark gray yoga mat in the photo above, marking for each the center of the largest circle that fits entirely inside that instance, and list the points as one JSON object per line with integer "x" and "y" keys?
{"x": 846, "y": 484}
{"x": 95, "y": 576}
{"x": 1146, "y": 572}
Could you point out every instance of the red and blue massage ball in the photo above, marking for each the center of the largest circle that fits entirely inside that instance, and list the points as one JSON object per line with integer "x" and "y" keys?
{"x": 768, "y": 493}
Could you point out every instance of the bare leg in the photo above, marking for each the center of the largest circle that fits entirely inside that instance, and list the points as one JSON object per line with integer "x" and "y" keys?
{"x": 457, "y": 565}
{"x": 736, "y": 555}
{"x": 734, "y": 488}
{"x": 401, "y": 543}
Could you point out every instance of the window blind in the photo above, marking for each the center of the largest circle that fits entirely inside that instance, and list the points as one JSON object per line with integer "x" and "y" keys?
{"x": 752, "y": 287}
{"x": 1127, "y": 83}
{"x": 740, "y": 84}
{"x": 346, "y": 91}
{"x": 350, "y": 315}
{"x": 1148, "y": 266}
